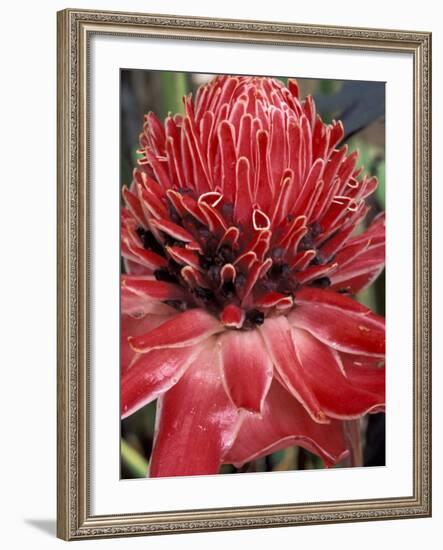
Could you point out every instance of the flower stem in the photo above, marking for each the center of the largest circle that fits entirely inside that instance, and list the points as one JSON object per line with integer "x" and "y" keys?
{"x": 135, "y": 463}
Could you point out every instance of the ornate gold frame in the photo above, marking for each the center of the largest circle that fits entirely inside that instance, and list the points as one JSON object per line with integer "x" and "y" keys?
{"x": 75, "y": 28}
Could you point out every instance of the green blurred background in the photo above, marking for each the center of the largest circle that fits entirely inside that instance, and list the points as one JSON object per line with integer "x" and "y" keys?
{"x": 361, "y": 107}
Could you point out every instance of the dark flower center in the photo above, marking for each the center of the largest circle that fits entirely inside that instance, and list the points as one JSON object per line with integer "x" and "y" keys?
{"x": 220, "y": 275}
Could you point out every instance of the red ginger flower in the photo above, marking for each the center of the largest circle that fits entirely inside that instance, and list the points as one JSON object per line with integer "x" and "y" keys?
{"x": 239, "y": 250}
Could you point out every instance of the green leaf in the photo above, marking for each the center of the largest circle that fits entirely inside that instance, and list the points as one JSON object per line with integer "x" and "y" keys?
{"x": 367, "y": 297}
{"x": 135, "y": 463}
{"x": 381, "y": 190}
{"x": 328, "y": 87}
{"x": 174, "y": 87}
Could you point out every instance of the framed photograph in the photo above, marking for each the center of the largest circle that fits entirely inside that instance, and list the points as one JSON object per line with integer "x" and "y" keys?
{"x": 243, "y": 274}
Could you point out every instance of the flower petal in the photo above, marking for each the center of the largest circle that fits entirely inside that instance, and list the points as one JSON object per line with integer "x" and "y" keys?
{"x": 196, "y": 422}
{"x": 277, "y": 334}
{"x": 152, "y": 374}
{"x": 243, "y": 191}
{"x": 356, "y": 275}
{"x": 173, "y": 230}
{"x": 149, "y": 259}
{"x": 365, "y": 372}
{"x": 151, "y": 289}
{"x": 226, "y": 133}
{"x": 232, "y": 316}
{"x": 357, "y": 283}
{"x": 131, "y": 326}
{"x": 136, "y": 306}
{"x": 328, "y": 298}
{"x": 247, "y": 368}
{"x": 283, "y": 423}
{"x": 339, "y": 395}
{"x": 184, "y": 329}
{"x": 346, "y": 330}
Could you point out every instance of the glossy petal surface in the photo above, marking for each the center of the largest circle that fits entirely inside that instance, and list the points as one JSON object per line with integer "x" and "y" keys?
{"x": 340, "y": 395}
{"x": 284, "y": 422}
{"x": 151, "y": 374}
{"x": 185, "y": 329}
{"x": 341, "y": 329}
{"x": 196, "y": 422}
{"x": 247, "y": 368}
{"x": 277, "y": 335}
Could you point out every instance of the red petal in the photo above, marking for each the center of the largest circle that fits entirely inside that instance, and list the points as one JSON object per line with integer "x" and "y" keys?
{"x": 152, "y": 374}
{"x": 281, "y": 206}
{"x": 263, "y": 186}
{"x": 243, "y": 191}
{"x": 196, "y": 421}
{"x": 247, "y": 368}
{"x": 328, "y": 298}
{"x": 191, "y": 206}
{"x": 339, "y": 395}
{"x": 201, "y": 175}
{"x": 185, "y": 329}
{"x": 133, "y": 268}
{"x": 277, "y": 334}
{"x": 139, "y": 306}
{"x": 291, "y": 229}
{"x": 176, "y": 199}
{"x": 173, "y": 230}
{"x": 306, "y": 144}
{"x": 245, "y": 261}
{"x": 293, "y": 87}
{"x": 314, "y": 272}
{"x": 155, "y": 131}
{"x": 131, "y": 326}
{"x": 230, "y": 237}
{"x": 174, "y": 159}
{"x": 193, "y": 277}
{"x": 152, "y": 206}
{"x": 341, "y": 329}
{"x": 159, "y": 170}
{"x": 365, "y": 372}
{"x": 274, "y": 299}
{"x": 232, "y": 316}
{"x": 146, "y": 287}
{"x": 227, "y": 274}
{"x": 277, "y": 145}
{"x": 244, "y": 139}
{"x": 134, "y": 206}
{"x": 256, "y": 272}
{"x": 294, "y": 147}
{"x": 308, "y": 187}
{"x": 335, "y": 242}
{"x": 359, "y": 273}
{"x": 284, "y": 423}
{"x": 260, "y": 220}
{"x": 144, "y": 257}
{"x": 183, "y": 256}
{"x": 309, "y": 110}
{"x": 356, "y": 284}
{"x": 214, "y": 220}
{"x": 226, "y": 133}
{"x": 337, "y": 133}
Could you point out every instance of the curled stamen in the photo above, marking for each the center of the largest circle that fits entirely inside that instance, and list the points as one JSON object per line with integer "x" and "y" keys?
{"x": 340, "y": 199}
{"x": 260, "y": 220}
{"x": 353, "y": 206}
{"x": 353, "y": 183}
{"x": 343, "y": 199}
{"x": 212, "y": 198}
